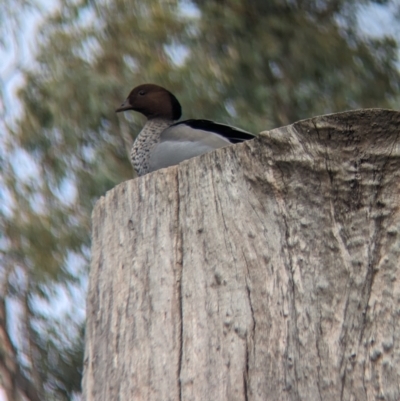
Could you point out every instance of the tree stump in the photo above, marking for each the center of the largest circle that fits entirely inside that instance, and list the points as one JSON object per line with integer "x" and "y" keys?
{"x": 261, "y": 271}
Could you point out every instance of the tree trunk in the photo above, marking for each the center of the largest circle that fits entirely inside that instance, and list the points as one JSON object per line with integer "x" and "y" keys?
{"x": 14, "y": 385}
{"x": 262, "y": 271}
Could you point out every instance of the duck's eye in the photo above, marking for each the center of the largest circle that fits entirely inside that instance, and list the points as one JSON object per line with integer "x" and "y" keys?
{"x": 141, "y": 93}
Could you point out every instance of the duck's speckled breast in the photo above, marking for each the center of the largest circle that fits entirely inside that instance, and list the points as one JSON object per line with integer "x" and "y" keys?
{"x": 148, "y": 137}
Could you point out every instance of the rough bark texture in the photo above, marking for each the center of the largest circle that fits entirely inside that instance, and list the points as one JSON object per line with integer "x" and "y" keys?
{"x": 262, "y": 271}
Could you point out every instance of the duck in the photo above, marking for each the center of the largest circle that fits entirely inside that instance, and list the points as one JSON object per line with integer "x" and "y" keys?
{"x": 164, "y": 141}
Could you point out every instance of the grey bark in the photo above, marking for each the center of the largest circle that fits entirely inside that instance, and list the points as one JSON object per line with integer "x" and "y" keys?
{"x": 262, "y": 271}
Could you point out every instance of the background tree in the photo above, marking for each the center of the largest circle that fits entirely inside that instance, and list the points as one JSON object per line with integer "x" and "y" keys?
{"x": 256, "y": 64}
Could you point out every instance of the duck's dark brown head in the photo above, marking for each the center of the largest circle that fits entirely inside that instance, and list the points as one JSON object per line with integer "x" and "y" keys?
{"x": 153, "y": 101}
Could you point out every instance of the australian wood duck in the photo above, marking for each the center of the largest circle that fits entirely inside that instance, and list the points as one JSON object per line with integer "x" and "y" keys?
{"x": 163, "y": 141}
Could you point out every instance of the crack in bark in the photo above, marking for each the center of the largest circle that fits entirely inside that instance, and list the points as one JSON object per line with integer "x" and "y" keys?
{"x": 342, "y": 361}
{"x": 317, "y": 338}
{"x": 291, "y": 275}
{"x": 289, "y": 265}
{"x": 179, "y": 262}
{"x": 253, "y": 330}
{"x": 246, "y": 375}
{"x": 218, "y": 203}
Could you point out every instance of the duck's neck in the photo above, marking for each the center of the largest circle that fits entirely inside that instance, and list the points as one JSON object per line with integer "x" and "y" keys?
{"x": 153, "y": 128}
{"x": 148, "y": 137}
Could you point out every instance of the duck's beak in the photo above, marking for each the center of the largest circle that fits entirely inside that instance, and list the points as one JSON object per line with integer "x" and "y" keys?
{"x": 124, "y": 106}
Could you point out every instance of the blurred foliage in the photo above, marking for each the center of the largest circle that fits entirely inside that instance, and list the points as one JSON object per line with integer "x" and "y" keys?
{"x": 256, "y": 64}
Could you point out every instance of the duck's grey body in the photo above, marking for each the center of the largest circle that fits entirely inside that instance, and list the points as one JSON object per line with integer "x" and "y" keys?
{"x": 161, "y": 145}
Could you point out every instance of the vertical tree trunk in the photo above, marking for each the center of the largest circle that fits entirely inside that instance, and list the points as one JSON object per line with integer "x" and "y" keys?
{"x": 263, "y": 271}
{"x": 14, "y": 385}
